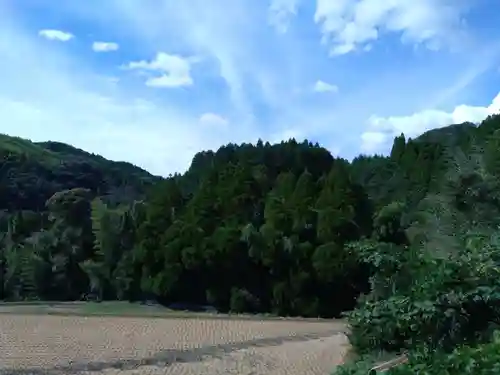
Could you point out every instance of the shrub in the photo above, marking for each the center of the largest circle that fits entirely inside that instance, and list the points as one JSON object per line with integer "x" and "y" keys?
{"x": 481, "y": 359}
{"x": 449, "y": 306}
{"x": 453, "y": 300}
{"x": 243, "y": 301}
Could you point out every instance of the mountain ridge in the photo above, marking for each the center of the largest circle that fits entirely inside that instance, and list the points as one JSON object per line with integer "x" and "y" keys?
{"x": 34, "y": 171}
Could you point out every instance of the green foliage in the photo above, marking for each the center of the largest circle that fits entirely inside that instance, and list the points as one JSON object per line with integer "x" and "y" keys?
{"x": 439, "y": 305}
{"x": 30, "y": 173}
{"x": 388, "y": 224}
{"x": 407, "y": 246}
{"x": 243, "y": 301}
{"x": 363, "y": 364}
{"x": 437, "y": 294}
{"x": 483, "y": 359}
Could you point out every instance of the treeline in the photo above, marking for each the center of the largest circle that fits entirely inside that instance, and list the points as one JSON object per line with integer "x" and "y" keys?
{"x": 248, "y": 229}
{"x": 286, "y": 229}
{"x": 438, "y": 296}
{"x": 30, "y": 173}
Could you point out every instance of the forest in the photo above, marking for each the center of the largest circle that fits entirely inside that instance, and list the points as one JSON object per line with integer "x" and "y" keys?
{"x": 405, "y": 246}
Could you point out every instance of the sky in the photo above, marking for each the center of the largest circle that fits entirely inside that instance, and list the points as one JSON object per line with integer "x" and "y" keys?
{"x": 153, "y": 82}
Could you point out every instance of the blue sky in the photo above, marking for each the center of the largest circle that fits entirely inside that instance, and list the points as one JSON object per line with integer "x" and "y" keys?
{"x": 155, "y": 81}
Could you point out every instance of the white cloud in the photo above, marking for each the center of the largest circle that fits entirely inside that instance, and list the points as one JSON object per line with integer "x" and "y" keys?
{"x": 383, "y": 129}
{"x": 173, "y": 70}
{"x": 371, "y": 142}
{"x": 60, "y": 99}
{"x": 321, "y": 86}
{"x": 58, "y": 35}
{"x": 281, "y": 12}
{"x": 252, "y": 76}
{"x": 228, "y": 36}
{"x": 105, "y": 46}
{"x": 213, "y": 119}
{"x": 349, "y": 24}
{"x": 217, "y": 30}
{"x": 334, "y": 150}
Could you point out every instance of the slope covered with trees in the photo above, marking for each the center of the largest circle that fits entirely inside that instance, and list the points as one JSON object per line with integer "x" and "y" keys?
{"x": 407, "y": 243}
{"x": 30, "y": 173}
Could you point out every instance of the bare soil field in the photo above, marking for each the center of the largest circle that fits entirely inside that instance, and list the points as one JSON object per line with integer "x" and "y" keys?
{"x": 48, "y": 344}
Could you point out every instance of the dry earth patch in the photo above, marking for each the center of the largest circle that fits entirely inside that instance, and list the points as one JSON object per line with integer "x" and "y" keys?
{"x": 43, "y": 344}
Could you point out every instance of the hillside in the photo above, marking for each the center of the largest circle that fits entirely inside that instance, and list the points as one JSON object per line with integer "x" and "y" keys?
{"x": 32, "y": 172}
{"x": 284, "y": 229}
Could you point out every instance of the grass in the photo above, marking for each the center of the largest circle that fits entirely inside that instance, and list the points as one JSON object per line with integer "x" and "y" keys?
{"x": 111, "y": 308}
{"x": 124, "y": 309}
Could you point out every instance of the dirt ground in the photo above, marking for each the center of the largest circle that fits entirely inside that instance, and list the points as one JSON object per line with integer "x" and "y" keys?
{"x": 43, "y": 344}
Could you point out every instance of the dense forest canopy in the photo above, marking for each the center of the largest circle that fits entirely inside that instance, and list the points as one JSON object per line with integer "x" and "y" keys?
{"x": 284, "y": 228}
{"x": 30, "y": 173}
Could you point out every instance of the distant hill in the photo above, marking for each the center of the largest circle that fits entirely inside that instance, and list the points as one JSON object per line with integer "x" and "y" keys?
{"x": 449, "y": 136}
{"x": 271, "y": 228}
{"x": 31, "y": 172}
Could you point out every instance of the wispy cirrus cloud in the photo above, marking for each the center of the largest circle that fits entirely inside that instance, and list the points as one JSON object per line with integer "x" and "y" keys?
{"x": 239, "y": 71}
{"x": 281, "y": 13}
